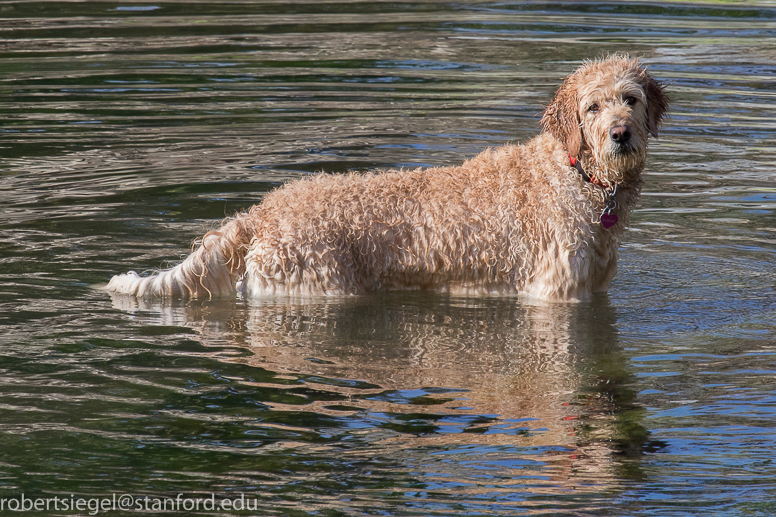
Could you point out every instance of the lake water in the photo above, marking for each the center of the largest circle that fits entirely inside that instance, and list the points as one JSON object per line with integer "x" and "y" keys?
{"x": 127, "y": 129}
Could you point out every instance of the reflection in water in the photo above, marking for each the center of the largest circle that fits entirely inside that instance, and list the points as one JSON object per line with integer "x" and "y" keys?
{"x": 426, "y": 372}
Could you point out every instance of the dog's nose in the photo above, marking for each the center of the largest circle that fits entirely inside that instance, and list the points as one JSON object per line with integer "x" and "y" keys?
{"x": 620, "y": 134}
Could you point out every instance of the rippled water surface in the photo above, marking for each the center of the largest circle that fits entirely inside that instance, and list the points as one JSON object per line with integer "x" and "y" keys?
{"x": 127, "y": 129}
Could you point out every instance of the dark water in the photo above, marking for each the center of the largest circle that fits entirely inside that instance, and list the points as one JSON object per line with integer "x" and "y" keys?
{"x": 130, "y": 128}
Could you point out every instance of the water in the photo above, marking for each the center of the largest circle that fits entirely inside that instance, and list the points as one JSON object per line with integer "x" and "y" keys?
{"x": 128, "y": 129}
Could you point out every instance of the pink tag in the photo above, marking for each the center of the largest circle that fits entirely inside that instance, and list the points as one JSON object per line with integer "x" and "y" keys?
{"x": 608, "y": 220}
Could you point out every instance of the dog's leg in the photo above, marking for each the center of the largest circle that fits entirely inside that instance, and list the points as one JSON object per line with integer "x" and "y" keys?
{"x": 211, "y": 270}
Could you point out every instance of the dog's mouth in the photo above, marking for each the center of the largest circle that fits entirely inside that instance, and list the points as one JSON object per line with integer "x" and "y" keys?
{"x": 623, "y": 148}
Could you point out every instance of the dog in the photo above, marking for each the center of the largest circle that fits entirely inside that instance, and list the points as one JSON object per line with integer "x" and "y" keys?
{"x": 542, "y": 219}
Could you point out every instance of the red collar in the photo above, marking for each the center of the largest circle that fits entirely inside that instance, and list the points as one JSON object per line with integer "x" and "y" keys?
{"x": 587, "y": 177}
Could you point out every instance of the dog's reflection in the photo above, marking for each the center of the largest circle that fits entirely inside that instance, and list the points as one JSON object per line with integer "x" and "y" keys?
{"x": 558, "y": 367}
{"x": 554, "y": 372}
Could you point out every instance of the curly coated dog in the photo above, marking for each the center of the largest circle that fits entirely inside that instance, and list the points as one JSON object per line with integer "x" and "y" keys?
{"x": 542, "y": 219}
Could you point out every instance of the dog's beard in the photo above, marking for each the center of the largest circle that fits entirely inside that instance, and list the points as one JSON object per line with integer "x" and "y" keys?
{"x": 618, "y": 163}
{"x": 618, "y": 166}
{"x": 623, "y": 150}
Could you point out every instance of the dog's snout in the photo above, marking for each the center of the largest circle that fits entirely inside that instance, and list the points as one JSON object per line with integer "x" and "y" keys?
{"x": 620, "y": 134}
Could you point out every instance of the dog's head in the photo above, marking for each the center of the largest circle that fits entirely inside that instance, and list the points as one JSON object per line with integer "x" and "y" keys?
{"x": 605, "y": 111}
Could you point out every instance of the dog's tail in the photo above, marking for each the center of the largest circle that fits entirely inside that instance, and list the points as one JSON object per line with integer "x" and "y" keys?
{"x": 211, "y": 270}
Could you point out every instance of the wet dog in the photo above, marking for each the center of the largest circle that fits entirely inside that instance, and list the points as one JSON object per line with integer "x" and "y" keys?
{"x": 543, "y": 219}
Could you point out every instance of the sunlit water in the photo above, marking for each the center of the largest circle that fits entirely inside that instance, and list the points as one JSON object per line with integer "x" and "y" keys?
{"x": 128, "y": 129}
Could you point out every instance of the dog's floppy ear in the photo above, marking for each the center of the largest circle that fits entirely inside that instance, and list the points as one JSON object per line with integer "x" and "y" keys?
{"x": 561, "y": 117}
{"x": 657, "y": 103}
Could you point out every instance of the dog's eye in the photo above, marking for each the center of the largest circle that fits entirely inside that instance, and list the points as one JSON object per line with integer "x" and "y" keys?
{"x": 593, "y": 108}
{"x": 630, "y": 101}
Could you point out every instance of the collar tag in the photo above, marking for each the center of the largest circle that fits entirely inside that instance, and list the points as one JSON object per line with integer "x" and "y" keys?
{"x": 608, "y": 218}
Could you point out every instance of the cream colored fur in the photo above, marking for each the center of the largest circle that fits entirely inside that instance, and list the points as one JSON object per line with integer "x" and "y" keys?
{"x": 515, "y": 219}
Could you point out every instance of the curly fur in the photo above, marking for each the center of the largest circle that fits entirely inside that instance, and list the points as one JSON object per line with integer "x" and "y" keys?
{"x": 515, "y": 219}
